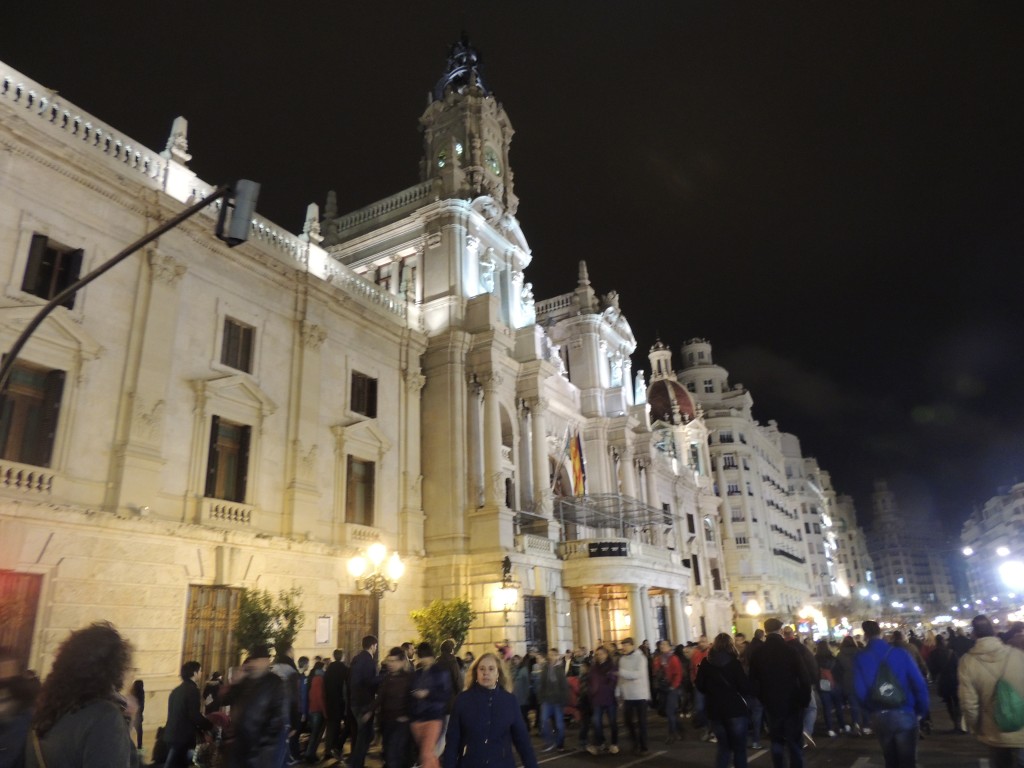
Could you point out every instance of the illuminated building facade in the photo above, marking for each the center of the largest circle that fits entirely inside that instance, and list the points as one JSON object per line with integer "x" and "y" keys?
{"x": 204, "y": 419}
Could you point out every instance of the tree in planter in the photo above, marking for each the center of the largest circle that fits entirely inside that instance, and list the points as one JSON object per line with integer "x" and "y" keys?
{"x": 263, "y": 619}
{"x": 444, "y": 619}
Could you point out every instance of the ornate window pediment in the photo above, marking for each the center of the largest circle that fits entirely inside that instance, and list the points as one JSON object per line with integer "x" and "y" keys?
{"x": 363, "y": 438}
{"x": 238, "y": 393}
{"x": 58, "y": 342}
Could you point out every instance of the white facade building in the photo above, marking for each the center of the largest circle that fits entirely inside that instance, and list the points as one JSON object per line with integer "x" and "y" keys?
{"x": 203, "y": 419}
{"x": 992, "y": 541}
{"x": 765, "y": 549}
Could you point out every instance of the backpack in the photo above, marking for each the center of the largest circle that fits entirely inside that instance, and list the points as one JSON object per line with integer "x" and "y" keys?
{"x": 1009, "y": 705}
{"x": 827, "y": 682}
{"x": 886, "y": 691}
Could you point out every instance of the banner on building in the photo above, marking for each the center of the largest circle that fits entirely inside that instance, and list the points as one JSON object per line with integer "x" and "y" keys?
{"x": 579, "y": 472}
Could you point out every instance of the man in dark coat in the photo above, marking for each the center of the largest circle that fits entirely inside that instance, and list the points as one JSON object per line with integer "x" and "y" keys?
{"x": 450, "y": 664}
{"x": 781, "y": 682}
{"x": 185, "y": 718}
{"x": 258, "y": 717}
{"x": 336, "y": 701}
{"x": 362, "y": 689}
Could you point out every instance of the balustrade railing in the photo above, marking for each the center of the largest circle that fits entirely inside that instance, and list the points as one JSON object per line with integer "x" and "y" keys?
{"x": 419, "y": 193}
{"x": 218, "y": 511}
{"x": 25, "y": 478}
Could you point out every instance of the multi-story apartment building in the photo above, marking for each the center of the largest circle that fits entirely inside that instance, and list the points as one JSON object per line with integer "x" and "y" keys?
{"x": 854, "y": 569}
{"x": 992, "y": 541}
{"x": 812, "y": 492}
{"x": 910, "y": 554}
{"x": 765, "y": 545}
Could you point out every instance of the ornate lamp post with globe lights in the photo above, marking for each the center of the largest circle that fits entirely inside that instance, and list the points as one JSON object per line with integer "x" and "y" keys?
{"x": 375, "y": 572}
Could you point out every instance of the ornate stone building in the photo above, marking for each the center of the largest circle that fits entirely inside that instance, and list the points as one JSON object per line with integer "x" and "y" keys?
{"x": 204, "y": 419}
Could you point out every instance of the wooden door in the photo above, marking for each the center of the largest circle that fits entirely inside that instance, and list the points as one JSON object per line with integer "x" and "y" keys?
{"x": 535, "y": 615}
{"x": 357, "y": 617}
{"x": 210, "y": 620}
{"x": 19, "y": 602}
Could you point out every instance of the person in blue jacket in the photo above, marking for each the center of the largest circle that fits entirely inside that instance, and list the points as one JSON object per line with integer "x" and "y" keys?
{"x": 486, "y": 722}
{"x": 897, "y": 728}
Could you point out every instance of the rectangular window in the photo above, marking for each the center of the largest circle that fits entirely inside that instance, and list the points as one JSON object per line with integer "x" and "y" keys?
{"x": 737, "y": 514}
{"x": 733, "y": 489}
{"x": 236, "y": 350}
{"x": 729, "y": 461}
{"x": 227, "y": 469}
{"x": 690, "y": 523}
{"x": 691, "y": 386}
{"x": 364, "y": 395}
{"x": 28, "y": 414}
{"x": 726, "y": 437}
{"x": 51, "y": 268}
{"x": 359, "y": 491}
{"x": 741, "y": 541}
{"x": 709, "y": 386}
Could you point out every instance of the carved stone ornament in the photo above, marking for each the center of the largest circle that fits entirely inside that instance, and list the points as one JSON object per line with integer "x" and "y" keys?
{"x": 415, "y": 381}
{"x": 313, "y": 336}
{"x": 305, "y": 465}
{"x": 146, "y": 420}
{"x": 165, "y": 269}
{"x": 487, "y": 265}
{"x": 492, "y": 380}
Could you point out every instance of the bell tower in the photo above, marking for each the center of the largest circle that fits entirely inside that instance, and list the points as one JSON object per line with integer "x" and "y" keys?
{"x": 466, "y": 134}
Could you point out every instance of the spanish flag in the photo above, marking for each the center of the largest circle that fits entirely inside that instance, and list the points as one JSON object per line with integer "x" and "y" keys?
{"x": 579, "y": 474}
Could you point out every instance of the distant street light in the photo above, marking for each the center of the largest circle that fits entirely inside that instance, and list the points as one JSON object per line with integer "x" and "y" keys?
{"x": 968, "y": 551}
{"x": 1003, "y": 551}
{"x": 1012, "y": 574}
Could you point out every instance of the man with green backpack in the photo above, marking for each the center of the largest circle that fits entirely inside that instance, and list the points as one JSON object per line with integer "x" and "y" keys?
{"x": 991, "y": 682}
{"x": 890, "y": 687}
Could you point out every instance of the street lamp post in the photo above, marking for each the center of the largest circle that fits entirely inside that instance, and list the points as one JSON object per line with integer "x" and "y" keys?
{"x": 375, "y": 572}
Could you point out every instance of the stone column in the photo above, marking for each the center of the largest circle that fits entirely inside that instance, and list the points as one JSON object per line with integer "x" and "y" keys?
{"x": 678, "y": 628}
{"x": 541, "y": 475}
{"x": 636, "y": 612}
{"x": 476, "y": 443}
{"x": 594, "y": 617}
{"x": 628, "y": 473}
{"x": 650, "y": 631}
{"x": 652, "y": 485}
{"x": 525, "y": 457}
{"x": 138, "y": 456}
{"x": 581, "y": 607}
{"x": 494, "y": 491}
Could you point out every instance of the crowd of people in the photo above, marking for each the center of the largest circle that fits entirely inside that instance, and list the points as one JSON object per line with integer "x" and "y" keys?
{"x": 435, "y": 710}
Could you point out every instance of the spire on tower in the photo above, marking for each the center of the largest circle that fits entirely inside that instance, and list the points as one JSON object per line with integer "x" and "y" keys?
{"x": 462, "y": 70}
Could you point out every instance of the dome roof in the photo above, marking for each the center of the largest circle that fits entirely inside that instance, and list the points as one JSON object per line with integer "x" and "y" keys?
{"x": 668, "y": 397}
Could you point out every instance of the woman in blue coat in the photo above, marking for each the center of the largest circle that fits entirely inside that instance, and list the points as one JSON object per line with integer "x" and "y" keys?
{"x": 486, "y": 722}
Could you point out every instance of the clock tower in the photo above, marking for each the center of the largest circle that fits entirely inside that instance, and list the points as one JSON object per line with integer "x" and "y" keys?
{"x": 466, "y": 134}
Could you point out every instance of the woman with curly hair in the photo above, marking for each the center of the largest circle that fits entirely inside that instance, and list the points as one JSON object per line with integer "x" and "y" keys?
{"x": 81, "y": 720}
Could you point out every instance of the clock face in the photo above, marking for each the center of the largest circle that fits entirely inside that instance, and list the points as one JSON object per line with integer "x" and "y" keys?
{"x": 491, "y": 161}
{"x": 442, "y": 158}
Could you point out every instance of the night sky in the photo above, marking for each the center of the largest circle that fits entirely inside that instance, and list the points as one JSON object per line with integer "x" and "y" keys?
{"x": 834, "y": 198}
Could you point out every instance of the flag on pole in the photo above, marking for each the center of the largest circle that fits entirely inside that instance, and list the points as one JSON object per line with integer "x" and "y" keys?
{"x": 579, "y": 473}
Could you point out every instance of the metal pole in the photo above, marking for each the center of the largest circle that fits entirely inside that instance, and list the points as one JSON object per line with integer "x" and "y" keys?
{"x": 60, "y": 298}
